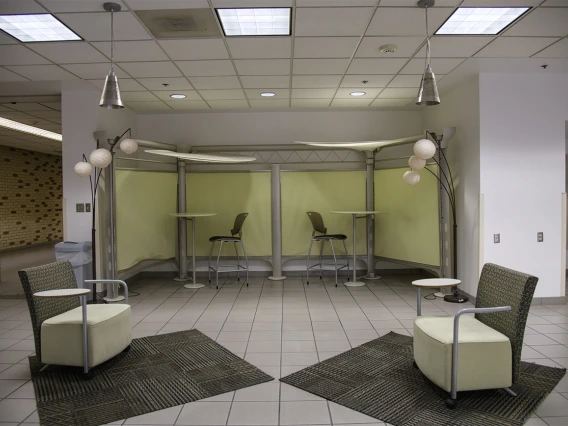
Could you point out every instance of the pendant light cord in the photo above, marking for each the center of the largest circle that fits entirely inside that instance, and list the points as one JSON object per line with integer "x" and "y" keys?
{"x": 427, "y": 61}
{"x": 111, "y": 40}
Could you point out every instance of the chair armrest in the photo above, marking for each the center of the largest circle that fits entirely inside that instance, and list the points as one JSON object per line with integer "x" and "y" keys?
{"x": 113, "y": 281}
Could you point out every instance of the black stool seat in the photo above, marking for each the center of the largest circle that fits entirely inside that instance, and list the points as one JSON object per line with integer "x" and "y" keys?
{"x": 220, "y": 238}
{"x": 330, "y": 237}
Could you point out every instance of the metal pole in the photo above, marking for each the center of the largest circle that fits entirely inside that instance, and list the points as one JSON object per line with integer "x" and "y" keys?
{"x": 182, "y": 224}
{"x": 354, "y": 283}
{"x": 370, "y": 162}
{"x": 85, "y": 344}
{"x": 276, "y": 224}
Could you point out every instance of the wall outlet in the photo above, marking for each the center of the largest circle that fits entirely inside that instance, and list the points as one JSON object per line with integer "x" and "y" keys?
{"x": 539, "y": 237}
{"x": 496, "y": 238}
{"x": 80, "y": 207}
{"x": 87, "y": 207}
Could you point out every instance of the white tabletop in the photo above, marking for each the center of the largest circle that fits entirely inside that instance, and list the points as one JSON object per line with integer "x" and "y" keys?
{"x": 436, "y": 282}
{"x": 66, "y": 292}
{"x": 355, "y": 212}
{"x": 190, "y": 215}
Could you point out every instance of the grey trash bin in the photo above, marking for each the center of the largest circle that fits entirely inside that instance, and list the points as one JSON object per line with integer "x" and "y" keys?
{"x": 80, "y": 256}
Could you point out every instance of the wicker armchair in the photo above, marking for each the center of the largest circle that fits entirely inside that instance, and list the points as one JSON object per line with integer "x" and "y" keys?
{"x": 482, "y": 352}
{"x": 61, "y": 335}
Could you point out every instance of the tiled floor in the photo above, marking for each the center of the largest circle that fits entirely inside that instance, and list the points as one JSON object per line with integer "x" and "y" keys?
{"x": 281, "y": 327}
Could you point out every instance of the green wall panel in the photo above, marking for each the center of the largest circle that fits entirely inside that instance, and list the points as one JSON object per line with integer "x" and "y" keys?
{"x": 321, "y": 192}
{"x": 408, "y": 227}
{"x": 143, "y": 228}
{"x": 229, "y": 194}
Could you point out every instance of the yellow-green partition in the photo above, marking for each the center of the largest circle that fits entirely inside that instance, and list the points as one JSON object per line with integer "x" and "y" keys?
{"x": 408, "y": 227}
{"x": 143, "y": 228}
{"x": 321, "y": 192}
{"x": 229, "y": 194}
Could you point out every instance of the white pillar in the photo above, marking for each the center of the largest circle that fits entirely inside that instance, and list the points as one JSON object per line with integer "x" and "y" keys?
{"x": 276, "y": 224}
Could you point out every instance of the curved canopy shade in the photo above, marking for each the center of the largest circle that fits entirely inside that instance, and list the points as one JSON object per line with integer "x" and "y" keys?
{"x": 204, "y": 158}
{"x": 363, "y": 145}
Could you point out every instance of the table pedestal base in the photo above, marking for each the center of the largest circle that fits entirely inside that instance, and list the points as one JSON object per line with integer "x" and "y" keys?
{"x": 372, "y": 277}
{"x": 196, "y": 285}
{"x": 113, "y": 299}
{"x": 182, "y": 279}
{"x": 354, "y": 284}
{"x": 439, "y": 294}
{"x": 455, "y": 298}
{"x": 272, "y": 278}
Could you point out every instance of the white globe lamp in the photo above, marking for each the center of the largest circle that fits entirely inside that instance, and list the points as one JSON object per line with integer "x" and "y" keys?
{"x": 416, "y": 163}
{"x": 129, "y": 146}
{"x": 424, "y": 149}
{"x": 83, "y": 169}
{"x": 100, "y": 158}
{"x": 411, "y": 177}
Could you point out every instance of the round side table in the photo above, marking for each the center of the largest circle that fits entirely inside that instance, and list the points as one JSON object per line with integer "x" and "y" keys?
{"x": 431, "y": 283}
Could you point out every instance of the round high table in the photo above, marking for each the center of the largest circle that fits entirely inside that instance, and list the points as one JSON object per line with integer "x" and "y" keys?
{"x": 192, "y": 217}
{"x": 355, "y": 215}
{"x": 431, "y": 283}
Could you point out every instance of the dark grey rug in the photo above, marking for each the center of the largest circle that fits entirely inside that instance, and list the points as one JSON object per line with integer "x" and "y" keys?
{"x": 378, "y": 379}
{"x": 158, "y": 372}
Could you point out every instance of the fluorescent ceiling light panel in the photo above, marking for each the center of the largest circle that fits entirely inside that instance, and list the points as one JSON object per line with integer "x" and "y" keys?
{"x": 24, "y": 128}
{"x": 255, "y": 22}
{"x": 29, "y": 28}
{"x": 481, "y": 20}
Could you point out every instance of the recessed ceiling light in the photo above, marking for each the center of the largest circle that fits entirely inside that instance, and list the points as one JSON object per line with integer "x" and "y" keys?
{"x": 252, "y": 22}
{"x": 481, "y": 20}
{"x": 24, "y": 128}
{"x": 28, "y": 28}
{"x": 178, "y": 96}
{"x": 268, "y": 94}
{"x": 358, "y": 93}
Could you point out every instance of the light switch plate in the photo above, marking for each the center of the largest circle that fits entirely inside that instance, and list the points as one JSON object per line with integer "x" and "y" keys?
{"x": 496, "y": 238}
{"x": 87, "y": 207}
{"x": 539, "y": 237}
{"x": 80, "y": 207}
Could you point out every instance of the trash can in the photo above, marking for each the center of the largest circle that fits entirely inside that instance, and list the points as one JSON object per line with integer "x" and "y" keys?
{"x": 80, "y": 256}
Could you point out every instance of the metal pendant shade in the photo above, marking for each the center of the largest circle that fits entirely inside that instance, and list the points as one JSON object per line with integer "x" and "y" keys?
{"x": 428, "y": 92}
{"x": 110, "y": 98}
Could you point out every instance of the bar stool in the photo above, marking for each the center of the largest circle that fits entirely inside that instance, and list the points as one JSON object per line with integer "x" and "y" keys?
{"x": 237, "y": 230}
{"x": 317, "y": 223}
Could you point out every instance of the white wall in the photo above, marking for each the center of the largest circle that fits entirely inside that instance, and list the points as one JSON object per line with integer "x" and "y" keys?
{"x": 460, "y": 108}
{"x": 522, "y": 165}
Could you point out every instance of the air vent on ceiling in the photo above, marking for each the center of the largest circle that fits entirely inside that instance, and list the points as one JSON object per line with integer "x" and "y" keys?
{"x": 179, "y": 23}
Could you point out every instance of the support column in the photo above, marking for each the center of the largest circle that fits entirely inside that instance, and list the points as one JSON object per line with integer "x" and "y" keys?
{"x": 370, "y": 192}
{"x": 276, "y": 224}
{"x": 182, "y": 225}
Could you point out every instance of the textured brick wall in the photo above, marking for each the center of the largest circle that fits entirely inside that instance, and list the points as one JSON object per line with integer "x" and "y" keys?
{"x": 31, "y": 198}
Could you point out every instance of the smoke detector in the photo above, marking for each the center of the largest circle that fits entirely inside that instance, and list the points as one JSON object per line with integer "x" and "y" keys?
{"x": 388, "y": 48}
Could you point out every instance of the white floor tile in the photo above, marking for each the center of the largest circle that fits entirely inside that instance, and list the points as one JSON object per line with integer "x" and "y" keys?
{"x": 254, "y": 413}
{"x": 204, "y": 413}
{"x": 304, "y": 413}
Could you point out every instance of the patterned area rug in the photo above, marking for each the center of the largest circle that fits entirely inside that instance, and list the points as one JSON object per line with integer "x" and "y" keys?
{"x": 158, "y": 372}
{"x": 378, "y": 379}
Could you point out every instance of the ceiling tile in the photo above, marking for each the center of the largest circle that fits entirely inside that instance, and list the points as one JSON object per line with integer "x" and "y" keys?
{"x": 58, "y": 6}
{"x": 375, "y": 66}
{"x": 150, "y": 69}
{"x": 206, "y": 68}
{"x": 508, "y": 3}
{"x": 264, "y": 81}
{"x": 15, "y": 115}
{"x": 191, "y": 95}
{"x": 557, "y": 50}
{"x": 270, "y": 103}
{"x": 68, "y": 52}
{"x": 542, "y": 22}
{"x": 332, "y": 21}
{"x": 311, "y": 103}
{"x": 28, "y": 106}
{"x": 557, "y": 3}
{"x": 260, "y": 47}
{"x": 14, "y": 7}
{"x": 94, "y": 71}
{"x": 230, "y": 82}
{"x": 228, "y": 104}
{"x": 19, "y": 55}
{"x": 406, "y": 46}
{"x": 324, "y": 47}
{"x": 255, "y": 94}
{"x": 132, "y": 51}
{"x": 412, "y": 3}
{"x": 148, "y": 106}
{"x": 398, "y": 93}
{"x": 320, "y": 66}
{"x": 312, "y": 93}
{"x": 42, "y": 72}
{"x": 315, "y": 81}
{"x": 96, "y": 26}
{"x": 137, "y": 96}
{"x": 184, "y": 105}
{"x": 372, "y": 80}
{"x": 263, "y": 66}
{"x": 392, "y": 21}
{"x": 350, "y": 103}
{"x": 127, "y": 84}
{"x": 167, "y": 4}
{"x": 199, "y": 49}
{"x": 455, "y": 46}
{"x": 385, "y": 103}
{"x": 252, "y": 3}
{"x": 320, "y": 3}
{"x": 53, "y": 105}
{"x": 6, "y": 75}
{"x": 370, "y": 93}
{"x": 47, "y": 114}
{"x": 213, "y": 95}
{"x": 515, "y": 47}
{"x": 175, "y": 83}
{"x": 407, "y": 81}
{"x": 439, "y": 65}
{"x": 6, "y": 39}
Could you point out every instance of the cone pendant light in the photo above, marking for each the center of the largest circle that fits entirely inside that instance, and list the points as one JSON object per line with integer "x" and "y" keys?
{"x": 110, "y": 98}
{"x": 428, "y": 92}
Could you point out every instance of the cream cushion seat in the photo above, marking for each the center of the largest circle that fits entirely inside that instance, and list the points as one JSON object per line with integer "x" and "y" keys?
{"x": 109, "y": 332}
{"x": 484, "y": 354}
